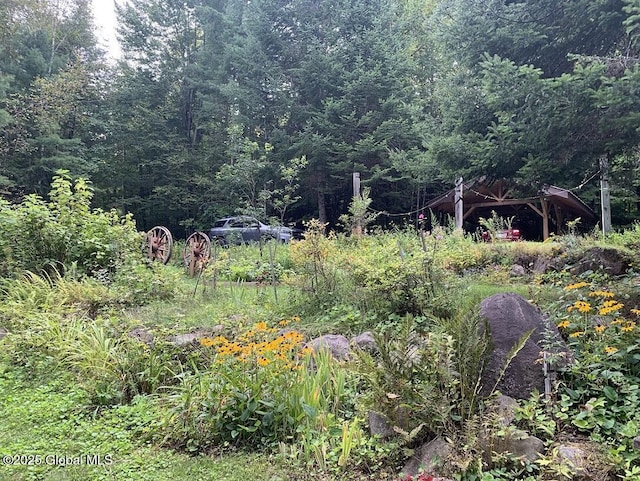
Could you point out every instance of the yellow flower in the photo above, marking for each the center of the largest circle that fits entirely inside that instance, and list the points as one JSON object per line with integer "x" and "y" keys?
{"x": 601, "y": 294}
{"x": 610, "y": 350}
{"x": 628, "y": 327}
{"x": 600, "y": 328}
{"x": 207, "y": 342}
{"x": 564, "y": 324}
{"x": 260, "y": 326}
{"x": 577, "y": 285}
{"x": 576, "y": 334}
{"x": 617, "y": 321}
{"x": 263, "y": 361}
{"x": 635, "y": 311}
{"x": 581, "y": 306}
{"x": 610, "y": 306}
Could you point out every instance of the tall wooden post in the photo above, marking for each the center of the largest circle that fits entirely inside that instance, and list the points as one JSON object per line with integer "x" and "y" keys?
{"x": 605, "y": 197}
{"x": 357, "y": 228}
{"x": 545, "y": 218}
{"x": 356, "y": 185}
{"x": 459, "y": 205}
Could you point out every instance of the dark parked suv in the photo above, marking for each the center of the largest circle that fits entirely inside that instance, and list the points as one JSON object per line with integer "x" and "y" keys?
{"x": 244, "y": 229}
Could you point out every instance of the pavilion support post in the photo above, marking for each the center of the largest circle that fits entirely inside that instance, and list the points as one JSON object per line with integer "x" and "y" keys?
{"x": 558, "y": 214}
{"x": 459, "y": 205}
{"x": 545, "y": 218}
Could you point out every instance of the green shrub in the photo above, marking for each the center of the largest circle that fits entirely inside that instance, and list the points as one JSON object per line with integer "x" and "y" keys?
{"x": 391, "y": 274}
{"x": 413, "y": 382}
{"x": 64, "y": 233}
{"x": 629, "y": 238}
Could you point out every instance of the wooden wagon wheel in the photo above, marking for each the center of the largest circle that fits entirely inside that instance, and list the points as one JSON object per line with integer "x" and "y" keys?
{"x": 159, "y": 244}
{"x": 196, "y": 252}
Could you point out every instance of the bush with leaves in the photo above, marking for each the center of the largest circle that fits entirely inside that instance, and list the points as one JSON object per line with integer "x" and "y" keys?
{"x": 415, "y": 382}
{"x": 64, "y": 233}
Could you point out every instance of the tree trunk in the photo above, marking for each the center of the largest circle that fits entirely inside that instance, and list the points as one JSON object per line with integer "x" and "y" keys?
{"x": 322, "y": 206}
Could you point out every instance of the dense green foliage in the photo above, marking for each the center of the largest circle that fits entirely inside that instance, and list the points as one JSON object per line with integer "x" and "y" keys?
{"x": 136, "y": 358}
{"x": 266, "y": 108}
{"x": 212, "y": 102}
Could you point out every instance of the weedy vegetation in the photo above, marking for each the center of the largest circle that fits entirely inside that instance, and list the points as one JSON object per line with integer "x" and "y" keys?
{"x": 162, "y": 376}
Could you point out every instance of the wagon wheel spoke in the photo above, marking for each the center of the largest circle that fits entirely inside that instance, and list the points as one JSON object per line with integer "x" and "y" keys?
{"x": 196, "y": 252}
{"x": 159, "y": 244}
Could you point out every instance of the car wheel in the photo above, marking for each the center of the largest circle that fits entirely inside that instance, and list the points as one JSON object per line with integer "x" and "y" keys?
{"x": 221, "y": 241}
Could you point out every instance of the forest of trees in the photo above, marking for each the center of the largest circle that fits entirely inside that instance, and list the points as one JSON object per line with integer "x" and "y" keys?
{"x": 222, "y": 106}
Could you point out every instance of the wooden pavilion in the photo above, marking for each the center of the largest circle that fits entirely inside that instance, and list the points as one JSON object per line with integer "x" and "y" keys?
{"x": 479, "y": 197}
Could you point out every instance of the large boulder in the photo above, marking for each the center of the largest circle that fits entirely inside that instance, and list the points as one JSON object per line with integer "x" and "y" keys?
{"x": 612, "y": 261}
{"x": 508, "y": 318}
{"x": 365, "y": 342}
{"x": 338, "y": 345}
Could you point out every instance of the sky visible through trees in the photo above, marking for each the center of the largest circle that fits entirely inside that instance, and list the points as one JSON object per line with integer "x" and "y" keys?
{"x": 216, "y": 107}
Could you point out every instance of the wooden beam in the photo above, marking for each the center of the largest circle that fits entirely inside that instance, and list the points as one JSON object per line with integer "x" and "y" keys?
{"x": 468, "y": 213}
{"x": 545, "y": 219}
{"x": 500, "y": 203}
{"x": 535, "y": 209}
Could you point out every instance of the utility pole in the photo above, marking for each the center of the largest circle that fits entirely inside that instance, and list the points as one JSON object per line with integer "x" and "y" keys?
{"x": 605, "y": 197}
{"x": 459, "y": 206}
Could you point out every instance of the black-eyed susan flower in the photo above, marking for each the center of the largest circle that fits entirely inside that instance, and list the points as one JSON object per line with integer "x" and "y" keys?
{"x": 605, "y": 294}
{"x": 577, "y": 285}
{"x": 609, "y": 307}
{"x": 580, "y": 306}
{"x": 628, "y": 327}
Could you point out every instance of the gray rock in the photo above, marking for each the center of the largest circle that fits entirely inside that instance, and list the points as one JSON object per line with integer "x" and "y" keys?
{"x": 380, "y": 426}
{"x": 612, "y": 261}
{"x": 428, "y": 458}
{"x": 366, "y": 342}
{"x": 574, "y": 457}
{"x": 528, "y": 448}
{"x": 504, "y": 408}
{"x": 143, "y": 335}
{"x": 337, "y": 345}
{"x": 3, "y": 332}
{"x": 193, "y": 337}
{"x": 517, "y": 271}
{"x": 541, "y": 265}
{"x": 509, "y": 317}
{"x": 636, "y": 443}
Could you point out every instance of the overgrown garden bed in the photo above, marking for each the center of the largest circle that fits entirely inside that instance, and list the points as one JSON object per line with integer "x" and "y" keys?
{"x": 115, "y": 368}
